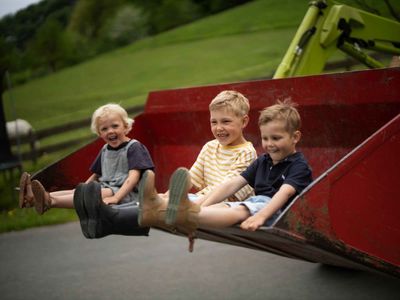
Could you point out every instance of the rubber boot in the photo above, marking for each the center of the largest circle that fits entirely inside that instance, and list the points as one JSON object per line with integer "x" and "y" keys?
{"x": 92, "y": 200}
{"x": 99, "y": 220}
{"x": 80, "y": 208}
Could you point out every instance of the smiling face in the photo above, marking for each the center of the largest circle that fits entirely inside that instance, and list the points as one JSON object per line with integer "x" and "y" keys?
{"x": 227, "y": 128}
{"x": 277, "y": 141}
{"x": 112, "y": 129}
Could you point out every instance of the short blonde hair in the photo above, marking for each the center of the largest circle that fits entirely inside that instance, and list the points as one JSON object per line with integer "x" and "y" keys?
{"x": 231, "y": 100}
{"x": 108, "y": 109}
{"x": 285, "y": 111}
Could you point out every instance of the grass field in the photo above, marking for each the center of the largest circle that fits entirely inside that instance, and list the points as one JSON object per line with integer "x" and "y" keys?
{"x": 238, "y": 44}
{"x": 243, "y": 43}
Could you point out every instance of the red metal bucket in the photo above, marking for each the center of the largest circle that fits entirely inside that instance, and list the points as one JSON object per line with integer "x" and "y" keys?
{"x": 349, "y": 216}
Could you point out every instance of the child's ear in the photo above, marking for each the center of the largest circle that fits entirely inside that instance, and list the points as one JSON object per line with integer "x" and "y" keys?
{"x": 245, "y": 121}
{"x": 126, "y": 131}
{"x": 296, "y": 136}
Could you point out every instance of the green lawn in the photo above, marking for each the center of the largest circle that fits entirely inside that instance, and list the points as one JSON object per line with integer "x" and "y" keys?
{"x": 18, "y": 219}
{"x": 239, "y": 44}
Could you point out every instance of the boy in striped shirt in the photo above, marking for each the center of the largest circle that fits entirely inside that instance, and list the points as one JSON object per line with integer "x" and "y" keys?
{"x": 229, "y": 153}
{"x": 221, "y": 159}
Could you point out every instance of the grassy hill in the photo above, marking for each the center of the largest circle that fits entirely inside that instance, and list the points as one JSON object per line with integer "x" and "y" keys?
{"x": 239, "y": 44}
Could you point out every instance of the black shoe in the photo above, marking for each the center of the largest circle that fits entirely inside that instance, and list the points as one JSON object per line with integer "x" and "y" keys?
{"x": 80, "y": 208}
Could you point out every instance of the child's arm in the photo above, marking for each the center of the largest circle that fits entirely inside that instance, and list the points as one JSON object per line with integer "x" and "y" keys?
{"x": 225, "y": 190}
{"x": 92, "y": 177}
{"x": 129, "y": 184}
{"x": 278, "y": 200}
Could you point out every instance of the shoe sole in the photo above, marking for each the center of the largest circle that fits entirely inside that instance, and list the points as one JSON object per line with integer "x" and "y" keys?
{"x": 22, "y": 190}
{"x": 177, "y": 189}
{"x": 81, "y": 209}
{"x": 141, "y": 188}
{"x": 92, "y": 198}
{"x": 40, "y": 197}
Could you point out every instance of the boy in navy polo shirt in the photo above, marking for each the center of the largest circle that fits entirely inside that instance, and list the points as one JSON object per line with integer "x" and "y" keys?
{"x": 276, "y": 176}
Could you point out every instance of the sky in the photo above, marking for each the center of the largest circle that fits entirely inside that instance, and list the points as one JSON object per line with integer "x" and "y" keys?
{"x": 12, "y": 6}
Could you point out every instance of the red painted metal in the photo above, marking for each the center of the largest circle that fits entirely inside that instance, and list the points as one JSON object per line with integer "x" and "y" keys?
{"x": 351, "y": 137}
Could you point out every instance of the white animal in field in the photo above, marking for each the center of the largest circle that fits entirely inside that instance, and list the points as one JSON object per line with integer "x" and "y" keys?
{"x": 19, "y": 128}
{"x": 21, "y": 131}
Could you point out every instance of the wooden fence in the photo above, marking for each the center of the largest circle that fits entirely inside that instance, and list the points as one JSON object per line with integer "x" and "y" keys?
{"x": 35, "y": 150}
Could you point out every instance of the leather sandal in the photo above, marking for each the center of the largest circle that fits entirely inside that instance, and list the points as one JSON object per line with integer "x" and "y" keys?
{"x": 26, "y": 197}
{"x": 42, "y": 197}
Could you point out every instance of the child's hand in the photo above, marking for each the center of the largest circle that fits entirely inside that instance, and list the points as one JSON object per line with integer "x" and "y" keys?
{"x": 252, "y": 223}
{"x": 199, "y": 200}
{"x": 110, "y": 200}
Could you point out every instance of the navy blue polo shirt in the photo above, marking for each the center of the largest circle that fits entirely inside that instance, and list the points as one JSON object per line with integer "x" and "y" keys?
{"x": 266, "y": 178}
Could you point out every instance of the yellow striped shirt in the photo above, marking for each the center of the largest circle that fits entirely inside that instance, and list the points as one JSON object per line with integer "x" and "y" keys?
{"x": 216, "y": 164}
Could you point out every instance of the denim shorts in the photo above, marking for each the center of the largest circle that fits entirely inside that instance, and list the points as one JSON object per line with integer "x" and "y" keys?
{"x": 254, "y": 204}
{"x": 193, "y": 197}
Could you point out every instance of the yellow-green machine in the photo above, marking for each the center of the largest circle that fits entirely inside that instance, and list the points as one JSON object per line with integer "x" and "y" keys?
{"x": 329, "y": 26}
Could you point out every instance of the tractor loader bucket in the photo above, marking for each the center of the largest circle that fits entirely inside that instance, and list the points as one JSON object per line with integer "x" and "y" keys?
{"x": 349, "y": 216}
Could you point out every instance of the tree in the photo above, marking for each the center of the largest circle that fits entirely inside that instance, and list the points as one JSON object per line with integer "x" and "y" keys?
{"x": 49, "y": 45}
{"x": 90, "y": 16}
{"x": 129, "y": 24}
{"x": 170, "y": 13}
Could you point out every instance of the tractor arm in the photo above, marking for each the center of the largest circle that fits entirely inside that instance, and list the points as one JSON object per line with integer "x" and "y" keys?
{"x": 329, "y": 26}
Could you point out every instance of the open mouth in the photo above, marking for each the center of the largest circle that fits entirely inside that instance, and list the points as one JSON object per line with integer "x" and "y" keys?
{"x": 112, "y": 138}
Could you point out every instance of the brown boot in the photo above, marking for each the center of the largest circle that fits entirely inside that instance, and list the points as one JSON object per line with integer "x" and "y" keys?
{"x": 42, "y": 197}
{"x": 181, "y": 212}
{"x": 26, "y": 197}
{"x": 152, "y": 207}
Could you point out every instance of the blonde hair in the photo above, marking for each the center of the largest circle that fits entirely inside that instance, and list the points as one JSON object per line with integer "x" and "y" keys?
{"x": 285, "y": 111}
{"x": 106, "y": 110}
{"x": 231, "y": 100}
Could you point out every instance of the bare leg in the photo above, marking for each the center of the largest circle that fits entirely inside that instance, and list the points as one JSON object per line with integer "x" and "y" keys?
{"x": 62, "y": 199}
{"x": 220, "y": 216}
{"x": 65, "y": 199}
{"x": 61, "y": 193}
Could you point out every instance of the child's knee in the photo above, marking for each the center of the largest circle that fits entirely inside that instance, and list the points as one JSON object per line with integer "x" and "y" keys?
{"x": 106, "y": 192}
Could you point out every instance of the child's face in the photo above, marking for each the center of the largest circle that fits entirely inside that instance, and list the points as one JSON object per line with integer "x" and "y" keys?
{"x": 227, "y": 128}
{"x": 112, "y": 130}
{"x": 277, "y": 141}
